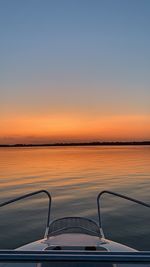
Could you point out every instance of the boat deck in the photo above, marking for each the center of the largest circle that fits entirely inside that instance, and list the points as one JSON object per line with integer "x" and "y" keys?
{"x": 74, "y": 225}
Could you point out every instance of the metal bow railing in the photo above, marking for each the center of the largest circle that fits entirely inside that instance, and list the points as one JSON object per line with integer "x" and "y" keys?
{"x": 30, "y": 195}
{"x": 117, "y": 195}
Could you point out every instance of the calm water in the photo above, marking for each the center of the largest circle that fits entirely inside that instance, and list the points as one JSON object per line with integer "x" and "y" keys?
{"x": 74, "y": 176}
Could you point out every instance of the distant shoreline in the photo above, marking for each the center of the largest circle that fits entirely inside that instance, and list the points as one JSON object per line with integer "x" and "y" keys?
{"x": 134, "y": 143}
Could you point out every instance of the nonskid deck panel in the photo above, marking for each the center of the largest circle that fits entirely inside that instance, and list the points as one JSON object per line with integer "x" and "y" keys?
{"x": 74, "y": 225}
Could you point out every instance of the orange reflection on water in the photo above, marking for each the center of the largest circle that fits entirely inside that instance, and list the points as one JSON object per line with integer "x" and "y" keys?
{"x": 63, "y": 167}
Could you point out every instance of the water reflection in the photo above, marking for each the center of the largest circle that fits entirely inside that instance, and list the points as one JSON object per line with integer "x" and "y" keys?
{"x": 74, "y": 176}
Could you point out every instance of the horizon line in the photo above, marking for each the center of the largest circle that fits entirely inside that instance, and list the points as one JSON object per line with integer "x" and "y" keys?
{"x": 94, "y": 143}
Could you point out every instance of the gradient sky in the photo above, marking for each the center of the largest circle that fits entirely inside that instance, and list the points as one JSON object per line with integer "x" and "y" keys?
{"x": 74, "y": 70}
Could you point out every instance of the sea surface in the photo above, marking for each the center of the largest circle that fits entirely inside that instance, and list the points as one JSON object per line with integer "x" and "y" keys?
{"x": 74, "y": 176}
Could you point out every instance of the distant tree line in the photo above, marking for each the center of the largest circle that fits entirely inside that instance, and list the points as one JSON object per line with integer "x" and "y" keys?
{"x": 97, "y": 143}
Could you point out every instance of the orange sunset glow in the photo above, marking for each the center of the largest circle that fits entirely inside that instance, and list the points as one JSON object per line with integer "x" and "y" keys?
{"x": 63, "y": 128}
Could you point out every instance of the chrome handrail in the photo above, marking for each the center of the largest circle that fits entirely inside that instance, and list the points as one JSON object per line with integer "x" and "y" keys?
{"x": 117, "y": 195}
{"x": 29, "y": 195}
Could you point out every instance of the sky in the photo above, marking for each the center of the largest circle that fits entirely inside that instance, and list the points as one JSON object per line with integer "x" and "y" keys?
{"x": 74, "y": 70}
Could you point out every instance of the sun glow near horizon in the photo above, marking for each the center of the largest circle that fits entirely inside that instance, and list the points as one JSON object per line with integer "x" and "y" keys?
{"x": 67, "y": 128}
